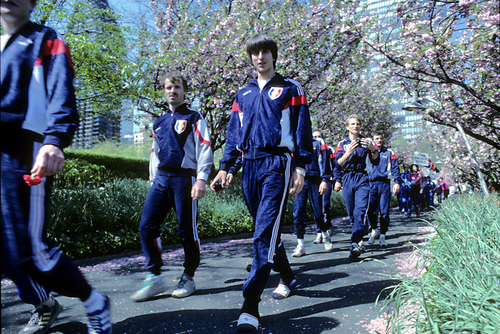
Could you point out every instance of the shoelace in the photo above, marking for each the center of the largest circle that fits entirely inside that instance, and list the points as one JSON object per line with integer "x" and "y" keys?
{"x": 36, "y": 317}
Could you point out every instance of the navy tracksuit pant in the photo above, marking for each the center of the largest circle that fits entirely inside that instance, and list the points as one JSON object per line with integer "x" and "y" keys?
{"x": 170, "y": 190}
{"x": 327, "y": 213}
{"x": 355, "y": 192}
{"x": 311, "y": 192}
{"x": 265, "y": 185}
{"x": 380, "y": 200}
{"x": 28, "y": 257}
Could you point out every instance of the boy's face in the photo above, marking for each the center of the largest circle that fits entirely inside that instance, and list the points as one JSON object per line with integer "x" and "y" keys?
{"x": 353, "y": 126}
{"x": 378, "y": 140}
{"x": 317, "y": 134}
{"x": 174, "y": 92}
{"x": 262, "y": 60}
{"x": 16, "y": 10}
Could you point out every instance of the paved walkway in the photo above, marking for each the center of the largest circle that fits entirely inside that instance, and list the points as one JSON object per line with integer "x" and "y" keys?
{"x": 336, "y": 294}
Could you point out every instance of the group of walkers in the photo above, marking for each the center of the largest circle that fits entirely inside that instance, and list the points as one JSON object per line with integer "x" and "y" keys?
{"x": 418, "y": 192}
{"x": 269, "y": 136}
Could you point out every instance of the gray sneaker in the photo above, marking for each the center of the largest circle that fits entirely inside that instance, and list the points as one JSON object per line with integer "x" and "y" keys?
{"x": 185, "y": 287}
{"x": 42, "y": 318}
{"x": 152, "y": 286}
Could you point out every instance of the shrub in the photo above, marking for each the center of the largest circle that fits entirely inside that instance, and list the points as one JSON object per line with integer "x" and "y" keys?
{"x": 459, "y": 291}
{"x": 78, "y": 173}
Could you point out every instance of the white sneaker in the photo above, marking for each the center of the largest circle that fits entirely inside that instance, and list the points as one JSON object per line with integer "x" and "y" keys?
{"x": 319, "y": 239}
{"x": 299, "y": 251}
{"x": 152, "y": 286}
{"x": 383, "y": 243}
{"x": 185, "y": 287}
{"x": 374, "y": 235}
{"x": 328, "y": 244}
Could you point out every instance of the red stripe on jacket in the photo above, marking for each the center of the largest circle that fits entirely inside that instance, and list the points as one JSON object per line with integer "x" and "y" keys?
{"x": 53, "y": 48}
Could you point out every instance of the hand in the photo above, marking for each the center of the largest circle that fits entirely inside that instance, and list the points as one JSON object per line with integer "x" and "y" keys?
{"x": 222, "y": 177}
{"x": 49, "y": 161}
{"x": 337, "y": 187}
{"x": 323, "y": 187}
{"x": 296, "y": 185}
{"x": 396, "y": 188}
{"x": 199, "y": 189}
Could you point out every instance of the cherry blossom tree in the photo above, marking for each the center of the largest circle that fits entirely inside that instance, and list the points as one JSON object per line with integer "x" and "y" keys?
{"x": 207, "y": 39}
{"x": 449, "y": 51}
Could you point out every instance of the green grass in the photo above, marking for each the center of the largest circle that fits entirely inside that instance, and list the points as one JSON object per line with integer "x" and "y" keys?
{"x": 459, "y": 292}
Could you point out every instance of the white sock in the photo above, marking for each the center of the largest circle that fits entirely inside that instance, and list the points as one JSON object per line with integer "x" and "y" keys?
{"x": 94, "y": 302}
{"x": 324, "y": 235}
{"x": 300, "y": 242}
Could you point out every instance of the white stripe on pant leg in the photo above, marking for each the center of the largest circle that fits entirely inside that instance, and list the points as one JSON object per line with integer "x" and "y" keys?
{"x": 40, "y": 291}
{"x": 36, "y": 221}
{"x": 194, "y": 211}
{"x": 275, "y": 233}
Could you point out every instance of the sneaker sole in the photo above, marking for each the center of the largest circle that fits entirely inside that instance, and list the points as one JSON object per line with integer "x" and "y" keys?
{"x": 178, "y": 295}
{"x": 143, "y": 299}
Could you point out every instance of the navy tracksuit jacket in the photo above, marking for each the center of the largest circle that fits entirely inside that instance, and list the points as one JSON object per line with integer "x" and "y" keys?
{"x": 355, "y": 185}
{"x": 267, "y": 125}
{"x": 380, "y": 188}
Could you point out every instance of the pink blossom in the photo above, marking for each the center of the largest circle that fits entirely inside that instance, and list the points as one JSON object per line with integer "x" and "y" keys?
{"x": 408, "y": 66}
{"x": 431, "y": 53}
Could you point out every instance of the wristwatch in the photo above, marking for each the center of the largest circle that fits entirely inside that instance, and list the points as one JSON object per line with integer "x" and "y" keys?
{"x": 301, "y": 171}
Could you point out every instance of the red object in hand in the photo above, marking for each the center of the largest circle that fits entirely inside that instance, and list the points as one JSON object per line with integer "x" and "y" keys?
{"x": 32, "y": 180}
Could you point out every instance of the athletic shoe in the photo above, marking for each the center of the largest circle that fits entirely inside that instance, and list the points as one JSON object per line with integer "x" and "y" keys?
{"x": 283, "y": 291}
{"x": 247, "y": 323}
{"x": 328, "y": 244}
{"x": 185, "y": 287}
{"x": 319, "y": 239}
{"x": 100, "y": 320}
{"x": 299, "y": 251}
{"x": 152, "y": 286}
{"x": 383, "y": 243}
{"x": 42, "y": 318}
{"x": 356, "y": 250}
{"x": 374, "y": 235}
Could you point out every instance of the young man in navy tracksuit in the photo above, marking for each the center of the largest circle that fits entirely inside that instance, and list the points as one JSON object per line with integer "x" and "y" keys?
{"x": 38, "y": 120}
{"x": 269, "y": 121}
{"x": 179, "y": 167}
{"x": 354, "y": 156}
{"x": 326, "y": 197}
{"x": 318, "y": 174}
{"x": 380, "y": 190}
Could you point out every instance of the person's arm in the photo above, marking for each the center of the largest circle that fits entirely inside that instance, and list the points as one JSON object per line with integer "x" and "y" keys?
{"x": 231, "y": 153}
{"x": 153, "y": 159}
{"x": 55, "y": 68}
{"x": 204, "y": 158}
{"x": 343, "y": 157}
{"x": 372, "y": 150}
{"x": 396, "y": 175}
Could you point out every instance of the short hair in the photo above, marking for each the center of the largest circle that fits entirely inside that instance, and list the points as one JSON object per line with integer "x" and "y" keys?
{"x": 262, "y": 42}
{"x": 318, "y": 130}
{"x": 377, "y": 133}
{"x": 174, "y": 76}
{"x": 354, "y": 116}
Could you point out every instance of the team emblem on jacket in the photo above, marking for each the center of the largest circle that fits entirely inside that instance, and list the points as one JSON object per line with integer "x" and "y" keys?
{"x": 180, "y": 126}
{"x": 275, "y": 92}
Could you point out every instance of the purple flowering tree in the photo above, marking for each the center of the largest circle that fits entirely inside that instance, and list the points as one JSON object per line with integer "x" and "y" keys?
{"x": 206, "y": 40}
{"x": 449, "y": 51}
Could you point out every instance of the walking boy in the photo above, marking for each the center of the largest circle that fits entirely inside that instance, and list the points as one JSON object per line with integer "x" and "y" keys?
{"x": 380, "y": 190}
{"x": 180, "y": 164}
{"x": 354, "y": 156}
{"x": 38, "y": 120}
{"x": 316, "y": 181}
{"x": 269, "y": 120}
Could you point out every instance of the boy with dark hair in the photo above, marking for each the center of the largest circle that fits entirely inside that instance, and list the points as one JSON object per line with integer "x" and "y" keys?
{"x": 269, "y": 121}
{"x": 380, "y": 192}
{"x": 179, "y": 167}
{"x": 354, "y": 156}
{"x": 38, "y": 120}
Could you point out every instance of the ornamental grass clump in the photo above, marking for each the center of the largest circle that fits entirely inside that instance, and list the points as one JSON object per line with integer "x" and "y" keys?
{"x": 458, "y": 290}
